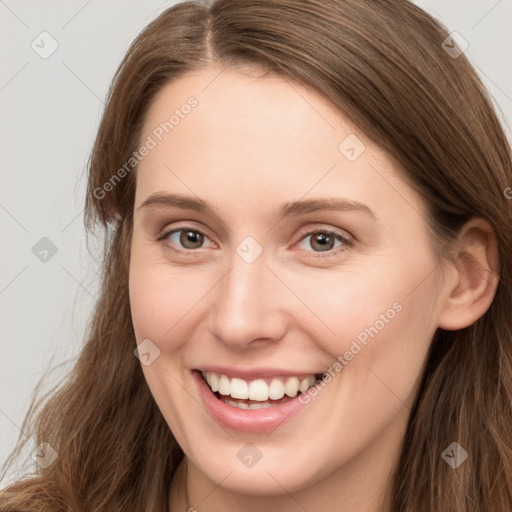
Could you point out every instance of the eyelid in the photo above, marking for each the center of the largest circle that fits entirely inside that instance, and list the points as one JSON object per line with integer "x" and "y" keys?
{"x": 166, "y": 232}
{"x": 342, "y": 233}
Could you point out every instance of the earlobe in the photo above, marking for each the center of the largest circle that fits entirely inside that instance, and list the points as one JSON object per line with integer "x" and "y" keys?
{"x": 475, "y": 266}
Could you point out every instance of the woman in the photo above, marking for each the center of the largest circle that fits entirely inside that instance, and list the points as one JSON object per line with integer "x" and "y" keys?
{"x": 307, "y": 279}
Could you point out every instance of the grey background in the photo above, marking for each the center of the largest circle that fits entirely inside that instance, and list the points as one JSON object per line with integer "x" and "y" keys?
{"x": 50, "y": 112}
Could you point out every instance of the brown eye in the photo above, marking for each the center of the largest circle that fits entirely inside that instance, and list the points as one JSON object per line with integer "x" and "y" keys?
{"x": 191, "y": 237}
{"x": 186, "y": 238}
{"x": 322, "y": 240}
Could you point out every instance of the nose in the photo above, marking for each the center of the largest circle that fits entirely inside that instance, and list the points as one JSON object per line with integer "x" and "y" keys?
{"x": 248, "y": 307}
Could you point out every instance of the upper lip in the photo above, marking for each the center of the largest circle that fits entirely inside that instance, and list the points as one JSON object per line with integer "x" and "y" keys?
{"x": 255, "y": 373}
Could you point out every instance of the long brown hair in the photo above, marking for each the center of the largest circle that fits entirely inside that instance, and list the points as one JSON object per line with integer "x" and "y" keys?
{"x": 383, "y": 65}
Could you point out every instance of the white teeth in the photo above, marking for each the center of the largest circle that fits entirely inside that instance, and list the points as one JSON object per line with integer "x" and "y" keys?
{"x": 258, "y": 389}
{"x": 291, "y": 387}
{"x": 259, "y": 406}
{"x": 224, "y": 385}
{"x": 276, "y": 389}
{"x": 214, "y": 384}
{"x": 242, "y": 405}
{"x": 305, "y": 384}
{"x": 239, "y": 388}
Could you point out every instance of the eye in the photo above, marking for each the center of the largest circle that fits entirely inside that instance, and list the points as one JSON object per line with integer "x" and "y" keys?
{"x": 188, "y": 238}
{"x": 185, "y": 237}
{"x": 324, "y": 240}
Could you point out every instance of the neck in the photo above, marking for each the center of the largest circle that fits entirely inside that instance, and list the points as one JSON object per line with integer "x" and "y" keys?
{"x": 178, "y": 498}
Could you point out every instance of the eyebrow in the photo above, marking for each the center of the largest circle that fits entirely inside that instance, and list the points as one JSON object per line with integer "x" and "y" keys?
{"x": 166, "y": 200}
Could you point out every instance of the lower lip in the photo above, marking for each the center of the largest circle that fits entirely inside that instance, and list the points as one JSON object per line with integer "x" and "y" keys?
{"x": 245, "y": 420}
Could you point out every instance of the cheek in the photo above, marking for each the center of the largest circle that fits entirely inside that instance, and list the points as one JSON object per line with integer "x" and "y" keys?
{"x": 161, "y": 297}
{"x": 153, "y": 306}
{"x": 381, "y": 323}
{"x": 351, "y": 303}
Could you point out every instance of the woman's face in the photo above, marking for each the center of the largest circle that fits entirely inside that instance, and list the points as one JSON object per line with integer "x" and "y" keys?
{"x": 266, "y": 299}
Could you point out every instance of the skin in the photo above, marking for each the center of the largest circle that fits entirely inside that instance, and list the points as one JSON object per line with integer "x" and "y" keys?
{"x": 251, "y": 144}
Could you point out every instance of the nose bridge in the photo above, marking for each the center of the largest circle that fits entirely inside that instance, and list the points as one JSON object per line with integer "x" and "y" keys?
{"x": 244, "y": 310}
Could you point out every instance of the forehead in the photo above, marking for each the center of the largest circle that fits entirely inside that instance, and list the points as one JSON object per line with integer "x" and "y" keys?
{"x": 240, "y": 138}
{"x": 237, "y": 108}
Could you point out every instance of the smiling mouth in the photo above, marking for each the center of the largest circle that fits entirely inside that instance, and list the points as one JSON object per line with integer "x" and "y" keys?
{"x": 258, "y": 393}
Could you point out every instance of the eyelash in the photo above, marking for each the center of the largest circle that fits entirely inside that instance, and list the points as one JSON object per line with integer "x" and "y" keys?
{"x": 346, "y": 242}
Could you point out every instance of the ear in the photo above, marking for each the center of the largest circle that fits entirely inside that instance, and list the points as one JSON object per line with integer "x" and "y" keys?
{"x": 473, "y": 282}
